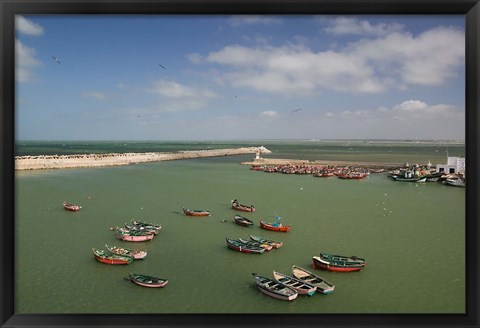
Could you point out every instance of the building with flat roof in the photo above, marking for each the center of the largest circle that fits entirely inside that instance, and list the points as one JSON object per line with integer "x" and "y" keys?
{"x": 454, "y": 165}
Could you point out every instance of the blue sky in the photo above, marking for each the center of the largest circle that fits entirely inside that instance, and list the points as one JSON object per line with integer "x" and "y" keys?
{"x": 239, "y": 77}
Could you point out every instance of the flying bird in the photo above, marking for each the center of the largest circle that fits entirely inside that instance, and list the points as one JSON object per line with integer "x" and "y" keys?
{"x": 295, "y": 110}
{"x": 162, "y": 66}
{"x": 55, "y": 59}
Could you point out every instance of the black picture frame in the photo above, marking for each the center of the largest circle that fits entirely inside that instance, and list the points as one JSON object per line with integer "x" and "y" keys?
{"x": 9, "y": 8}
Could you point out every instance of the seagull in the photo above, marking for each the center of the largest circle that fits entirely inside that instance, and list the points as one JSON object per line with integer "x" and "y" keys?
{"x": 295, "y": 110}
{"x": 55, "y": 59}
{"x": 162, "y": 66}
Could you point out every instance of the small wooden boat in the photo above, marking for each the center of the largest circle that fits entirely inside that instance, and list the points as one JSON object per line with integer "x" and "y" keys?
{"x": 300, "y": 286}
{"x": 239, "y": 246}
{"x": 243, "y": 221}
{"x": 456, "y": 182}
{"x": 274, "y": 243}
{"x": 343, "y": 258}
{"x": 135, "y": 253}
{"x": 240, "y": 207}
{"x": 145, "y": 225}
{"x": 147, "y": 281}
{"x": 323, "y": 286}
{"x": 196, "y": 212}
{"x": 274, "y": 289}
{"x": 265, "y": 246}
{"x": 136, "y": 228}
{"x": 337, "y": 266}
{"x": 111, "y": 258}
{"x": 275, "y": 226}
{"x": 127, "y": 235}
{"x": 71, "y": 207}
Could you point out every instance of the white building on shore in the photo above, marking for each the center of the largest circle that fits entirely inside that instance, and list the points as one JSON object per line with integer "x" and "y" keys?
{"x": 454, "y": 165}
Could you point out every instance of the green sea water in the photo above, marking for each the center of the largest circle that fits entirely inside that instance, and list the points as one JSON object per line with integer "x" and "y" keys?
{"x": 412, "y": 236}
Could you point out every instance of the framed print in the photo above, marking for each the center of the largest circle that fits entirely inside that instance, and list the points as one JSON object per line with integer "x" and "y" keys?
{"x": 240, "y": 163}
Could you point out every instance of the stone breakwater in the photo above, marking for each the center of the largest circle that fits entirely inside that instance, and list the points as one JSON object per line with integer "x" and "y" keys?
{"x": 116, "y": 159}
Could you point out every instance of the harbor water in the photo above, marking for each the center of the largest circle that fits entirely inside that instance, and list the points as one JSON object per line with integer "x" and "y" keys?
{"x": 412, "y": 235}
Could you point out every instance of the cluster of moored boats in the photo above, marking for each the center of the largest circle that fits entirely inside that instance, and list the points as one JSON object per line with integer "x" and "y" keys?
{"x": 135, "y": 231}
{"x": 342, "y": 172}
{"x": 419, "y": 174}
{"x": 301, "y": 282}
{"x": 281, "y": 286}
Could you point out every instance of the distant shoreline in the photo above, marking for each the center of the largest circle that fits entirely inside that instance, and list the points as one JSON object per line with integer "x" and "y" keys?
{"x": 45, "y": 162}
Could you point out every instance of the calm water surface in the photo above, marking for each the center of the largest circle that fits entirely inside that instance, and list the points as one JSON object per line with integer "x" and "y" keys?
{"x": 412, "y": 236}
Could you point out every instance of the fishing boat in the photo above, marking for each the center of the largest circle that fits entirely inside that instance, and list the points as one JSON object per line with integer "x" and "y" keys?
{"x": 136, "y": 228}
{"x": 265, "y": 246}
{"x": 146, "y": 225}
{"x": 196, "y": 212}
{"x": 337, "y": 266}
{"x": 457, "y": 182}
{"x": 274, "y": 243}
{"x": 147, "y": 281}
{"x": 343, "y": 258}
{"x": 243, "y": 221}
{"x": 323, "y": 286}
{"x": 239, "y": 246}
{"x": 71, "y": 207}
{"x": 274, "y": 289}
{"x": 240, "y": 207}
{"x": 276, "y": 226}
{"x": 111, "y": 258}
{"x": 135, "y": 253}
{"x": 127, "y": 235}
{"x": 302, "y": 288}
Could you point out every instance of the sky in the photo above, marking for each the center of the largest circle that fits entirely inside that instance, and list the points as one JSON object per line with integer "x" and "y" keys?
{"x": 189, "y": 77}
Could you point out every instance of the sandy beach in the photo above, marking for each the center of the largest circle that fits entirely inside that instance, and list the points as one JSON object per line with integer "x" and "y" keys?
{"x": 116, "y": 159}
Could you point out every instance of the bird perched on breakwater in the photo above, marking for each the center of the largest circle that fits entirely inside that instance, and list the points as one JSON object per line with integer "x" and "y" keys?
{"x": 55, "y": 59}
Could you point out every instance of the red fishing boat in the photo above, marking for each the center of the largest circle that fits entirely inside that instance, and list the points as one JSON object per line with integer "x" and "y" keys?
{"x": 111, "y": 258}
{"x": 196, "y": 212}
{"x": 276, "y": 226}
{"x": 71, "y": 207}
{"x": 240, "y": 207}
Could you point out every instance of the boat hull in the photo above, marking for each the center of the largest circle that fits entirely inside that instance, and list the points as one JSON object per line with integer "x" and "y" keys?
{"x": 277, "y": 296}
{"x": 267, "y": 226}
{"x": 293, "y": 283}
{"x": 196, "y": 212}
{"x": 111, "y": 261}
{"x": 161, "y": 282}
{"x": 135, "y": 238}
{"x": 319, "y": 264}
{"x": 323, "y": 286}
{"x": 243, "y": 248}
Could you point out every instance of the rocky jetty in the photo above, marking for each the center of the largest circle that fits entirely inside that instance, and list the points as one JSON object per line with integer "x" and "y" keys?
{"x": 116, "y": 159}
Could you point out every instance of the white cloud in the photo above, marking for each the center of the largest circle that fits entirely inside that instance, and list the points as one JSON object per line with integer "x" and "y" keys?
{"x": 94, "y": 94}
{"x": 194, "y": 58}
{"x": 269, "y": 113}
{"x": 175, "y": 90}
{"x": 25, "y": 61}
{"x": 26, "y": 26}
{"x": 176, "y": 97}
{"x": 397, "y": 60}
{"x": 253, "y": 19}
{"x": 347, "y": 25}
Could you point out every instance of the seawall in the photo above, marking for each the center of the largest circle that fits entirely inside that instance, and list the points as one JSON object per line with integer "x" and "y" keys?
{"x": 44, "y": 162}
